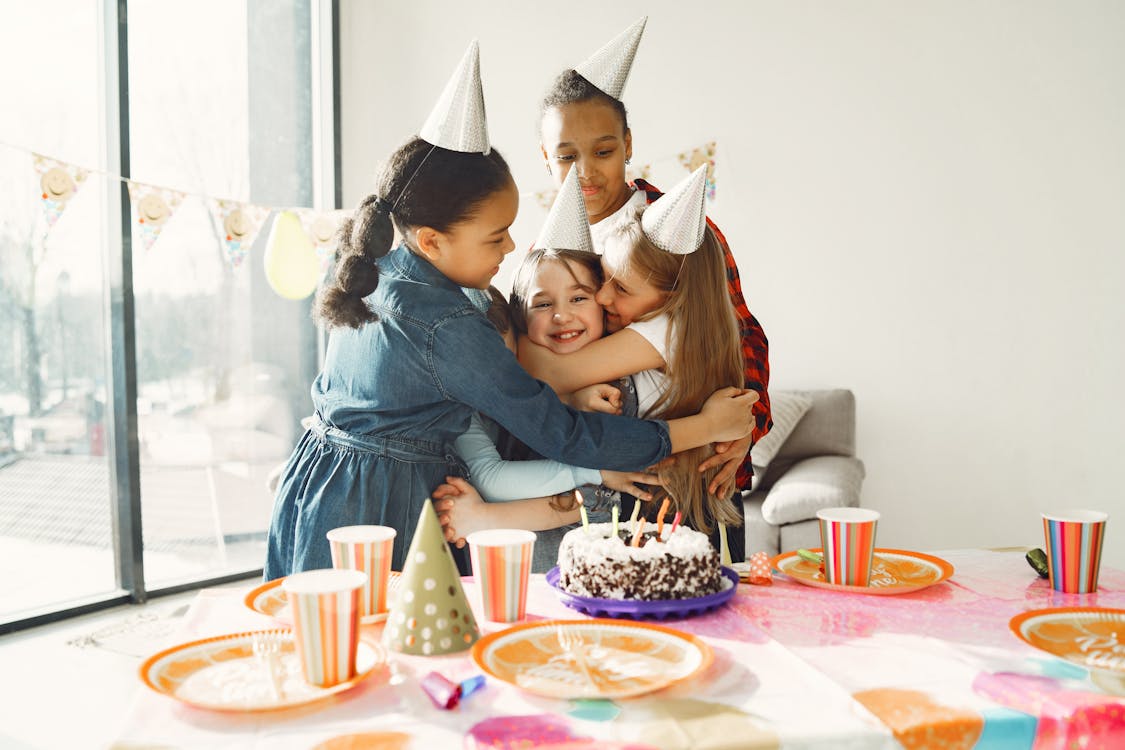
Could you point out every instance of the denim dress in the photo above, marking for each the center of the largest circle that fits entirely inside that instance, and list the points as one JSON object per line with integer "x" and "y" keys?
{"x": 392, "y": 398}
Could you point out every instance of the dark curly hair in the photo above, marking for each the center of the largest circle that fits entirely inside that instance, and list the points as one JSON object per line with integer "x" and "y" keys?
{"x": 570, "y": 87}
{"x": 421, "y": 186}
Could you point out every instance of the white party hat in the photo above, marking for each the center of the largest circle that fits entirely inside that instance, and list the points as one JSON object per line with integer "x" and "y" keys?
{"x": 458, "y": 121}
{"x": 609, "y": 67}
{"x": 567, "y": 227}
{"x": 675, "y": 222}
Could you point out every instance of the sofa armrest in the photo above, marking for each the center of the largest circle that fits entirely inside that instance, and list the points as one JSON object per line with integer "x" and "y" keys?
{"x": 812, "y": 484}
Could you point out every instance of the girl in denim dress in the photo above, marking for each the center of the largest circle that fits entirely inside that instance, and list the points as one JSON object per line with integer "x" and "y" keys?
{"x": 410, "y": 358}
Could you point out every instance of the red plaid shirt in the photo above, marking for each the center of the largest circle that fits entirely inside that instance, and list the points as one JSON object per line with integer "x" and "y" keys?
{"x": 755, "y": 346}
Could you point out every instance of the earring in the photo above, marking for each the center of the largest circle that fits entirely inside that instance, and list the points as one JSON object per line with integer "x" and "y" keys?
{"x": 629, "y": 161}
{"x": 548, "y": 166}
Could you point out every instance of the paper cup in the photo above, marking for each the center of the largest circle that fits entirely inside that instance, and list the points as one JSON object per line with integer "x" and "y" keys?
{"x": 501, "y": 564}
{"x": 847, "y": 539}
{"x": 1074, "y": 549}
{"x": 367, "y": 549}
{"x": 325, "y": 607}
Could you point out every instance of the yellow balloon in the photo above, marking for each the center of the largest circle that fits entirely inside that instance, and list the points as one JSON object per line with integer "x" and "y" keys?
{"x": 292, "y": 268}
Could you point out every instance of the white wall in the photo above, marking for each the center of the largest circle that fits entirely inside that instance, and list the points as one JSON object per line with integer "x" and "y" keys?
{"x": 926, "y": 201}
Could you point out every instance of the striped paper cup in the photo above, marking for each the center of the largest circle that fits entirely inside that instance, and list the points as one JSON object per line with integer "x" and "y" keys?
{"x": 501, "y": 564}
{"x": 368, "y": 549}
{"x": 325, "y": 607}
{"x": 1074, "y": 549}
{"x": 847, "y": 538}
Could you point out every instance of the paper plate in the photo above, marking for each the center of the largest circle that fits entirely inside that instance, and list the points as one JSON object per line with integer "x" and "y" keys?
{"x": 893, "y": 571}
{"x": 1089, "y": 636}
{"x": 591, "y": 658}
{"x": 224, "y": 674}
{"x": 656, "y": 609}
{"x": 269, "y": 599}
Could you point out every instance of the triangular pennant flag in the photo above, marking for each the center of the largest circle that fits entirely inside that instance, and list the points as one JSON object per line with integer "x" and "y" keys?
{"x": 152, "y": 209}
{"x": 676, "y": 221}
{"x": 238, "y": 225}
{"x": 609, "y": 67}
{"x": 567, "y": 226}
{"x": 321, "y": 227}
{"x": 458, "y": 121}
{"x": 430, "y": 614}
{"x": 58, "y": 182}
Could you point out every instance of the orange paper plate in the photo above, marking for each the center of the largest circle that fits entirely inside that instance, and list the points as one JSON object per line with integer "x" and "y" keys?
{"x": 269, "y": 599}
{"x": 1089, "y": 636}
{"x": 894, "y": 571}
{"x": 591, "y": 658}
{"x": 223, "y": 674}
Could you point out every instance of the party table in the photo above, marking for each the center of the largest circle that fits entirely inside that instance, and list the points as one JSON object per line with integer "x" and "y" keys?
{"x": 794, "y": 666}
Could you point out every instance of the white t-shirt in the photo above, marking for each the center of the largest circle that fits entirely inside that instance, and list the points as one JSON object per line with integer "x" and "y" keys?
{"x": 601, "y": 230}
{"x": 651, "y": 384}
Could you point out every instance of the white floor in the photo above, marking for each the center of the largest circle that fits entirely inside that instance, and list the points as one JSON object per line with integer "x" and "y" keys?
{"x": 68, "y": 684}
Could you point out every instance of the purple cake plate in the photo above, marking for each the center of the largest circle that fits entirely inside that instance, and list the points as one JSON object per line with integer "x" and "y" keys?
{"x": 635, "y": 609}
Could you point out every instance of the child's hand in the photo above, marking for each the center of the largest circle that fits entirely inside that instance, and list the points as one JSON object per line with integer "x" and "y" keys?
{"x": 729, "y": 455}
{"x": 729, "y": 411}
{"x": 626, "y": 481}
{"x": 460, "y": 509}
{"x": 598, "y": 397}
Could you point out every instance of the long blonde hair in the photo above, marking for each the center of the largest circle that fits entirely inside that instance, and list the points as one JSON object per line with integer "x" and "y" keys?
{"x": 704, "y": 353}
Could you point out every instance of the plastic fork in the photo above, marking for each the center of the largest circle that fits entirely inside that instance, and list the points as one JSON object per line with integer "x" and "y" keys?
{"x": 267, "y": 648}
{"x": 575, "y": 647}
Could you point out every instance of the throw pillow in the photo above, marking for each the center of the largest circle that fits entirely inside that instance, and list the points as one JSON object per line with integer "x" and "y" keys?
{"x": 811, "y": 485}
{"x": 787, "y": 409}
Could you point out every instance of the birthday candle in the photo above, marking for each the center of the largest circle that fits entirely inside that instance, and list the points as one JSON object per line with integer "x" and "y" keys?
{"x": 636, "y": 511}
{"x": 615, "y": 513}
{"x": 724, "y": 550}
{"x": 660, "y": 518}
{"x": 582, "y": 512}
{"x": 637, "y": 536}
{"x": 675, "y": 523}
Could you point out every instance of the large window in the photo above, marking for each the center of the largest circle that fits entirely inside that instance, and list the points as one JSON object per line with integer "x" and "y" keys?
{"x": 221, "y": 108}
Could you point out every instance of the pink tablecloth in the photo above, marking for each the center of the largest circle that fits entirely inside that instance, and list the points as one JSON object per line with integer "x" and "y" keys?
{"x": 795, "y": 667}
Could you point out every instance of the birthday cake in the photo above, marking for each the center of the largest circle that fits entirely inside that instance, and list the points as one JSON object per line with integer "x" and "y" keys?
{"x": 593, "y": 562}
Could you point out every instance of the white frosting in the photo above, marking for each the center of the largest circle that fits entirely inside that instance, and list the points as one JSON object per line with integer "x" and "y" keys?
{"x": 598, "y": 543}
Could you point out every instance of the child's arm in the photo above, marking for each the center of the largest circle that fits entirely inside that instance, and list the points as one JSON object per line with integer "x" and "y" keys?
{"x": 620, "y": 354}
{"x": 498, "y": 480}
{"x": 462, "y": 511}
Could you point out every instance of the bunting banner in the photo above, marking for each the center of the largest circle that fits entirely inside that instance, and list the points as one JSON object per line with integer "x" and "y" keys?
{"x": 321, "y": 227}
{"x": 152, "y": 209}
{"x": 58, "y": 182}
{"x": 238, "y": 225}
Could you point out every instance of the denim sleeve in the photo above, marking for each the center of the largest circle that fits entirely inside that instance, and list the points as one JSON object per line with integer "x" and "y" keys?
{"x": 470, "y": 364}
{"x": 498, "y": 480}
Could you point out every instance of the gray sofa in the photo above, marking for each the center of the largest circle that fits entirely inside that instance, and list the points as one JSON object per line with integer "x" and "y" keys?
{"x": 806, "y": 463}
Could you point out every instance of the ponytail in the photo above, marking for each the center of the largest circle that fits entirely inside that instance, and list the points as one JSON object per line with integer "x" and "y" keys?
{"x": 364, "y": 237}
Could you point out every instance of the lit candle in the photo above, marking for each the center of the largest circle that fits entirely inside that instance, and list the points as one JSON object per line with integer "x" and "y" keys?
{"x": 724, "y": 550}
{"x": 675, "y": 523}
{"x": 660, "y": 518}
{"x": 582, "y": 512}
{"x": 637, "y": 536}
{"x": 615, "y": 513}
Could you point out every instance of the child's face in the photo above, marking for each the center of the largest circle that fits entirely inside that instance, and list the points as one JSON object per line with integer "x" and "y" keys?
{"x": 626, "y": 296}
{"x": 587, "y": 136}
{"x": 469, "y": 254}
{"x": 562, "y": 314}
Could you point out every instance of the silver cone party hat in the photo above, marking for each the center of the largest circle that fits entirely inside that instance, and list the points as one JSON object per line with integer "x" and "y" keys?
{"x": 567, "y": 227}
{"x": 609, "y": 67}
{"x": 676, "y": 221}
{"x": 458, "y": 121}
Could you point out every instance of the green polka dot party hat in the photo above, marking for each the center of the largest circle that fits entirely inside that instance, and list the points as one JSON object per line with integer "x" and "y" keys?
{"x": 430, "y": 614}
